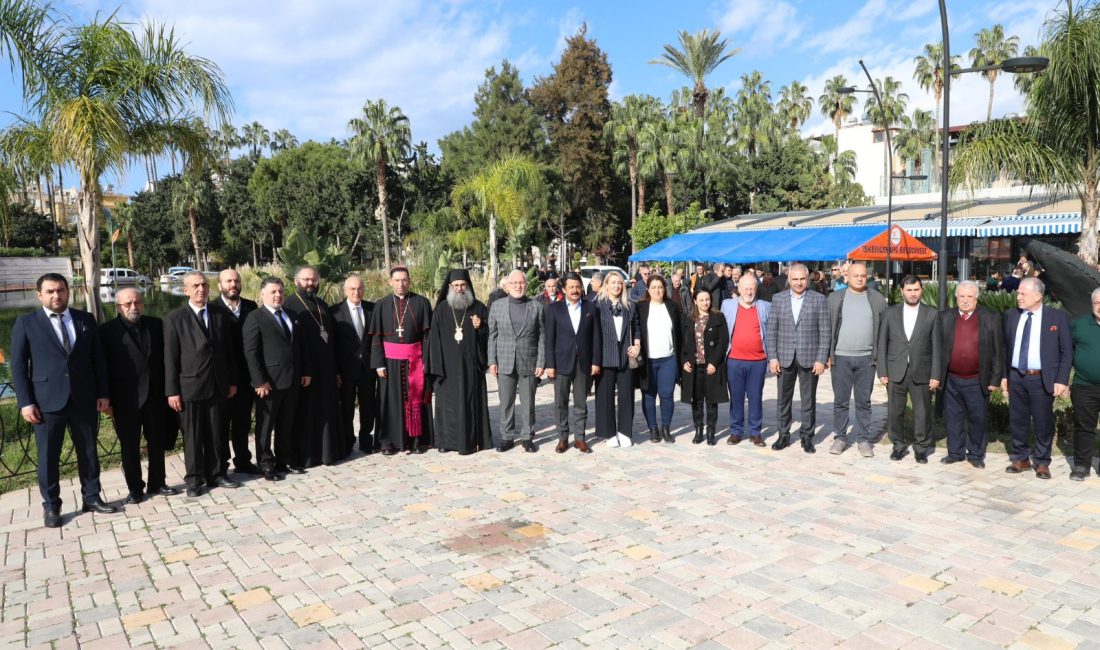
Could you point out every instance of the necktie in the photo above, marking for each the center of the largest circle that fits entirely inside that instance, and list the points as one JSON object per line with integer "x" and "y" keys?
{"x": 1025, "y": 344}
{"x": 357, "y": 310}
{"x": 65, "y": 342}
{"x": 282, "y": 323}
{"x": 202, "y": 320}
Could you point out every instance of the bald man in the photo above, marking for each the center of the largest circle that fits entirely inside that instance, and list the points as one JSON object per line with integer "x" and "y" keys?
{"x": 238, "y": 410}
{"x": 358, "y": 381}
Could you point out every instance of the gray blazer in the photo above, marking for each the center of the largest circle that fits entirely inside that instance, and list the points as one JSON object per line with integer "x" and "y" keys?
{"x": 807, "y": 338}
{"x": 916, "y": 359}
{"x": 836, "y": 304}
{"x": 513, "y": 352}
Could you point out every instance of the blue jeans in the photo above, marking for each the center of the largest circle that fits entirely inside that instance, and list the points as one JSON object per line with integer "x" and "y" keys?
{"x": 746, "y": 379}
{"x": 661, "y": 381}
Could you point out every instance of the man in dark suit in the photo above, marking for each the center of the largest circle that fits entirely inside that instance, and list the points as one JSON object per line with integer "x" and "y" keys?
{"x": 238, "y": 410}
{"x": 134, "y": 348}
{"x": 60, "y": 377}
{"x": 358, "y": 381}
{"x": 971, "y": 367}
{"x": 199, "y": 371}
{"x": 276, "y": 367}
{"x": 909, "y": 366}
{"x": 516, "y": 357}
{"x": 573, "y": 358}
{"x": 798, "y": 340}
{"x": 1038, "y": 358}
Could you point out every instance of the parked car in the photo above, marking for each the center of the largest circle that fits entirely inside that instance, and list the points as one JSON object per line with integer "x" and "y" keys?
{"x": 120, "y": 277}
{"x": 588, "y": 271}
{"x": 174, "y": 274}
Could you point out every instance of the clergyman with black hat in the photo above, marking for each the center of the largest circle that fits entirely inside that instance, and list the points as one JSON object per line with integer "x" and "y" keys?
{"x": 457, "y": 362}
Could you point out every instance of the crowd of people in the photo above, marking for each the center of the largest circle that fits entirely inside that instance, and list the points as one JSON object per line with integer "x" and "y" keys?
{"x": 415, "y": 372}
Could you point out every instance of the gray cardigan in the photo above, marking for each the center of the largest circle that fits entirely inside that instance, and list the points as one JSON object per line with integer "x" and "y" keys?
{"x": 836, "y": 304}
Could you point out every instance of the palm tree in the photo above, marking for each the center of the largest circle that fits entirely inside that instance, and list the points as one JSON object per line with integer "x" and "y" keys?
{"x": 501, "y": 191}
{"x": 844, "y": 170}
{"x": 929, "y": 75}
{"x": 627, "y": 121}
{"x": 1023, "y": 81}
{"x": 379, "y": 138}
{"x": 227, "y": 139}
{"x": 699, "y": 55}
{"x": 26, "y": 34}
{"x": 992, "y": 48}
{"x": 1062, "y": 149}
{"x": 283, "y": 139}
{"x": 108, "y": 88}
{"x": 917, "y": 134}
{"x": 755, "y": 121}
{"x": 125, "y": 220}
{"x": 189, "y": 195}
{"x": 887, "y": 115}
{"x": 834, "y": 104}
{"x": 256, "y": 137}
{"x": 664, "y": 139}
{"x": 794, "y": 105}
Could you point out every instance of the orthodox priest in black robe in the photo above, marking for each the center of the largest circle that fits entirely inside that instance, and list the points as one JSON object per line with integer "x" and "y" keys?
{"x": 399, "y": 340}
{"x": 457, "y": 362}
{"x": 317, "y": 418}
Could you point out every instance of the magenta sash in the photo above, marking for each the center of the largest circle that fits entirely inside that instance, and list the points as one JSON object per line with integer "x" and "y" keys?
{"x": 414, "y": 354}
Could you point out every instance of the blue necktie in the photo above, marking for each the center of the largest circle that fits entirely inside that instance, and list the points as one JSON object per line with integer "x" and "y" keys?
{"x": 1025, "y": 344}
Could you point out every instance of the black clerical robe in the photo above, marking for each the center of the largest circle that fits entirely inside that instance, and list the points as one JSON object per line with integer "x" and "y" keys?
{"x": 318, "y": 414}
{"x": 457, "y": 369}
{"x": 399, "y": 330}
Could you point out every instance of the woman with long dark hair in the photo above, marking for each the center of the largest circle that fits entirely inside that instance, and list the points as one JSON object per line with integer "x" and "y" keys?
{"x": 661, "y": 335}
{"x": 703, "y": 358}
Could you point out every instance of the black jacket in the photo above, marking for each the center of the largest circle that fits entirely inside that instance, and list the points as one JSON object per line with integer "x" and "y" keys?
{"x": 677, "y": 335}
{"x": 271, "y": 358}
{"x": 716, "y": 342}
{"x": 135, "y": 374}
{"x": 198, "y": 365}
{"x": 236, "y": 326}
{"x": 566, "y": 350}
{"x": 352, "y": 353}
{"x": 990, "y": 345}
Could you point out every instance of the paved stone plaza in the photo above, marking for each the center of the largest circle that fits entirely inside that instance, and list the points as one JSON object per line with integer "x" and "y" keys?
{"x": 658, "y": 545}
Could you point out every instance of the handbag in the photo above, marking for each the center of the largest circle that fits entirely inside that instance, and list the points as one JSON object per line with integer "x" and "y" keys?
{"x": 635, "y": 362}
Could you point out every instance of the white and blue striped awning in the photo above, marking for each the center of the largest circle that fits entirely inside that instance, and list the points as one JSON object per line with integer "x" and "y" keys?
{"x": 1054, "y": 223}
{"x": 964, "y": 227}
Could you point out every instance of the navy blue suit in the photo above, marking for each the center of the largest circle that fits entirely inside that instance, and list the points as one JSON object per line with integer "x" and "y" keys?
{"x": 1032, "y": 396}
{"x": 571, "y": 355}
{"x": 65, "y": 389}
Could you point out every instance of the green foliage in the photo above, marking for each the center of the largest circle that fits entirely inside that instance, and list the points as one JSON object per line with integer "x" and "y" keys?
{"x": 303, "y": 248}
{"x": 243, "y": 225}
{"x": 30, "y": 229}
{"x": 653, "y": 226}
{"x": 164, "y": 239}
{"x": 997, "y": 301}
{"x": 23, "y": 251}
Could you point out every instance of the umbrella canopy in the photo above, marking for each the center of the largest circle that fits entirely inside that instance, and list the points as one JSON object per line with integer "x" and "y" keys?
{"x": 903, "y": 247}
{"x": 1066, "y": 275}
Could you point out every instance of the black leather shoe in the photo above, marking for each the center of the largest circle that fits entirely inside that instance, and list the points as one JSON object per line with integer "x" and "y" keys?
{"x": 294, "y": 469}
{"x": 666, "y": 435}
{"x": 898, "y": 454}
{"x": 226, "y": 482}
{"x": 51, "y": 519}
{"x": 529, "y": 446}
{"x": 921, "y": 457}
{"x": 506, "y": 445}
{"x": 698, "y": 436}
{"x": 272, "y": 475}
{"x": 134, "y": 498}
{"x": 977, "y": 464}
{"x": 247, "y": 468}
{"x": 1079, "y": 473}
{"x": 949, "y": 460}
{"x": 654, "y": 435}
{"x": 97, "y": 505}
{"x": 163, "y": 491}
{"x": 782, "y": 441}
{"x": 194, "y": 491}
{"x": 808, "y": 445}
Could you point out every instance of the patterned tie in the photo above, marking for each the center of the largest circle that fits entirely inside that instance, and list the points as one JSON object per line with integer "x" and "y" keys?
{"x": 1025, "y": 345}
{"x": 65, "y": 342}
{"x": 279, "y": 317}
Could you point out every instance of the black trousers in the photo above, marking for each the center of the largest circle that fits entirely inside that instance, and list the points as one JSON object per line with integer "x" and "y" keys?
{"x": 238, "y": 425}
{"x": 1029, "y": 400}
{"x": 964, "y": 405}
{"x": 697, "y": 416}
{"x": 275, "y": 420}
{"x": 807, "y": 398}
{"x": 575, "y": 386}
{"x": 1086, "y": 410}
{"x": 130, "y": 425}
{"x": 49, "y": 436}
{"x": 364, "y": 393}
{"x": 203, "y": 440}
{"x": 921, "y": 439}
{"x": 614, "y": 415}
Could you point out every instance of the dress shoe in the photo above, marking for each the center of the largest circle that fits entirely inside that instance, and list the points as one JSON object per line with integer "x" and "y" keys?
{"x": 420, "y": 449}
{"x": 921, "y": 457}
{"x": 506, "y": 445}
{"x": 808, "y": 445}
{"x": 666, "y": 435}
{"x": 1079, "y": 473}
{"x": 562, "y": 446}
{"x": 225, "y": 482}
{"x": 294, "y": 469}
{"x": 977, "y": 463}
{"x": 1042, "y": 471}
{"x": 899, "y": 453}
{"x": 950, "y": 460}
{"x": 51, "y": 518}
{"x": 442, "y": 450}
{"x": 698, "y": 436}
{"x": 194, "y": 491}
{"x": 1018, "y": 466}
{"x": 389, "y": 451}
{"x": 271, "y": 475}
{"x": 757, "y": 440}
{"x": 247, "y": 468}
{"x": 163, "y": 491}
{"x": 782, "y": 441}
{"x": 654, "y": 435}
{"x": 733, "y": 440}
{"x": 582, "y": 446}
{"x": 97, "y": 505}
{"x": 711, "y": 440}
{"x": 134, "y": 498}
{"x": 529, "y": 446}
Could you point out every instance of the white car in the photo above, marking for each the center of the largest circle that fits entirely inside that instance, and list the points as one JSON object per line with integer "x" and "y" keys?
{"x": 120, "y": 277}
{"x": 174, "y": 274}
{"x": 588, "y": 271}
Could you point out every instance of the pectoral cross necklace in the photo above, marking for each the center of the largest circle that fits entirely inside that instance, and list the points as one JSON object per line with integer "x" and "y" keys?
{"x": 400, "y": 316}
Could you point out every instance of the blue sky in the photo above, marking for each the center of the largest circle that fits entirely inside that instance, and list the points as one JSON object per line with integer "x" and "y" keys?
{"x": 309, "y": 66}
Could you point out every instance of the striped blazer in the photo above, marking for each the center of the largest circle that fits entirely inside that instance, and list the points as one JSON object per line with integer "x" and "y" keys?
{"x": 614, "y": 349}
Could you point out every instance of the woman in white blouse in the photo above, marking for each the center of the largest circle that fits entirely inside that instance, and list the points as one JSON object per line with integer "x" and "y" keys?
{"x": 661, "y": 324}
{"x": 621, "y": 342}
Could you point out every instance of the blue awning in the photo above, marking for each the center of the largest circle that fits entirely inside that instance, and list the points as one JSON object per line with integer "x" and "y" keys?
{"x": 922, "y": 228}
{"x": 766, "y": 245}
{"x": 1060, "y": 223}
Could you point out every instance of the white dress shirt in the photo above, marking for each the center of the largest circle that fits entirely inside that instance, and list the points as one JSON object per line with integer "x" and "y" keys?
{"x": 574, "y": 309}
{"x": 205, "y": 313}
{"x": 909, "y": 319}
{"x": 289, "y": 325}
{"x": 1034, "y": 362}
{"x": 796, "y": 304}
{"x": 236, "y": 310}
{"x": 67, "y": 319}
{"x": 358, "y": 318}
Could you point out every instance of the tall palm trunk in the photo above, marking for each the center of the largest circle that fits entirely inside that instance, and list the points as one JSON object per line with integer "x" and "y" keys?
{"x": 194, "y": 223}
{"x": 380, "y": 180}
{"x": 493, "y": 249}
{"x": 49, "y": 195}
{"x": 989, "y": 110}
{"x": 668, "y": 194}
{"x": 87, "y": 203}
{"x": 632, "y": 155}
{"x": 641, "y": 196}
{"x": 130, "y": 251}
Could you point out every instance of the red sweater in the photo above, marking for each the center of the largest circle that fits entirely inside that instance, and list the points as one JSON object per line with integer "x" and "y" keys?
{"x": 964, "y": 350}
{"x": 747, "y": 345}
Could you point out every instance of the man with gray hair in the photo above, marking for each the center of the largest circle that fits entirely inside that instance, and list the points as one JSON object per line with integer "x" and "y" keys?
{"x": 1085, "y": 391}
{"x": 971, "y": 367}
{"x": 516, "y": 357}
{"x": 595, "y": 283}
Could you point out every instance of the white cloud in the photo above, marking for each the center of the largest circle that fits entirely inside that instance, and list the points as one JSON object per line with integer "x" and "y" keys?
{"x": 853, "y": 31}
{"x": 766, "y": 23}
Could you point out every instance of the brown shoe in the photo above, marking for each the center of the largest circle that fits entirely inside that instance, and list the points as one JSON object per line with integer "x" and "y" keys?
{"x": 757, "y": 440}
{"x": 1042, "y": 471}
{"x": 1018, "y": 466}
{"x": 562, "y": 446}
{"x": 582, "y": 446}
